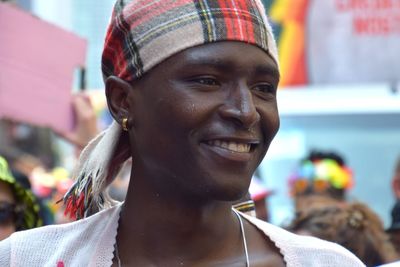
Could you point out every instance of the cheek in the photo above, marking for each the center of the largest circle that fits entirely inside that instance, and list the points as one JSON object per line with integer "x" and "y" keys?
{"x": 277, "y": 123}
{"x": 270, "y": 122}
{"x": 166, "y": 126}
{"x": 184, "y": 115}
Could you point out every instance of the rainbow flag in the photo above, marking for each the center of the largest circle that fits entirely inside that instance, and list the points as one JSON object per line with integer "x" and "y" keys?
{"x": 289, "y": 21}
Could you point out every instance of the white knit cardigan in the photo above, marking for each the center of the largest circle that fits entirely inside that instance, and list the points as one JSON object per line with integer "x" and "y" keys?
{"x": 90, "y": 242}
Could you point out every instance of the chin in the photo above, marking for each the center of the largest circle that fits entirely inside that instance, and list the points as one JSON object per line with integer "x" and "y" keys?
{"x": 231, "y": 187}
{"x": 229, "y": 193}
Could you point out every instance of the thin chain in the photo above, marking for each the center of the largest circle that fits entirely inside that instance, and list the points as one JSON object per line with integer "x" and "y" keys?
{"x": 241, "y": 230}
{"x": 243, "y": 238}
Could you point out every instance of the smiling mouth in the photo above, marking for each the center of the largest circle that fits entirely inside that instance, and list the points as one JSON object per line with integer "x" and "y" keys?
{"x": 236, "y": 147}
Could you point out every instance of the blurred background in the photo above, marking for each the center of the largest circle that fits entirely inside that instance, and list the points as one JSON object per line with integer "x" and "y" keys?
{"x": 339, "y": 90}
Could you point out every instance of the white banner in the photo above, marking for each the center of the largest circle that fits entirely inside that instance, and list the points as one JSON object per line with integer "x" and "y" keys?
{"x": 353, "y": 41}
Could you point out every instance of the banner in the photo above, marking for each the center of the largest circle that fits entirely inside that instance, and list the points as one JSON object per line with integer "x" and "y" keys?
{"x": 337, "y": 41}
{"x": 37, "y": 62}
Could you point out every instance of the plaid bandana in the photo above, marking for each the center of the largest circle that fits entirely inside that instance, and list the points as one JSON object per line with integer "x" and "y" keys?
{"x": 141, "y": 34}
{"x": 144, "y": 33}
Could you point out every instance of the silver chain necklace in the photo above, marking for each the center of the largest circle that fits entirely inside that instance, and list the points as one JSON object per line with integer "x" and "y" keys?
{"x": 246, "y": 253}
{"x": 241, "y": 230}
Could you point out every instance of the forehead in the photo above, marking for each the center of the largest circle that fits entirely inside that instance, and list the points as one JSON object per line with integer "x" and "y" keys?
{"x": 231, "y": 56}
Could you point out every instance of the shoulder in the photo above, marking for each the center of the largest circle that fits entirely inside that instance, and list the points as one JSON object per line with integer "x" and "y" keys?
{"x": 54, "y": 242}
{"x": 392, "y": 264}
{"x": 306, "y": 250}
{"x": 5, "y": 252}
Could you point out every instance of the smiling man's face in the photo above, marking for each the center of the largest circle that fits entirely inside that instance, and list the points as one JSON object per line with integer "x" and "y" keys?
{"x": 204, "y": 119}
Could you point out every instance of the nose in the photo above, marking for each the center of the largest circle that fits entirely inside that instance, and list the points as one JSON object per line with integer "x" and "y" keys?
{"x": 240, "y": 108}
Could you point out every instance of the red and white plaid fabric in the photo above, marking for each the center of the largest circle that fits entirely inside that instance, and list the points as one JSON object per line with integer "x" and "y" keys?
{"x": 143, "y": 33}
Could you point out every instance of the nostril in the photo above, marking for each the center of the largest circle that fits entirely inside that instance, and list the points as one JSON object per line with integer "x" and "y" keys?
{"x": 245, "y": 118}
{"x": 249, "y": 118}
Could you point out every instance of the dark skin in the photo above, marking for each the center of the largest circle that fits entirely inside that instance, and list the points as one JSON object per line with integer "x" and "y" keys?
{"x": 200, "y": 123}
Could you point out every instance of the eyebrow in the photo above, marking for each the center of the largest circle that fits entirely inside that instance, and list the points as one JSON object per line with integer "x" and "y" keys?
{"x": 265, "y": 69}
{"x": 268, "y": 70}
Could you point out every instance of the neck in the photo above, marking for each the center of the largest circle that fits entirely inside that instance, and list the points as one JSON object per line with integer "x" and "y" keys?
{"x": 160, "y": 224}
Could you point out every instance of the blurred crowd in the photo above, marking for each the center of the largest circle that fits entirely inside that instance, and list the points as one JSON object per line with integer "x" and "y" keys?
{"x": 33, "y": 179}
{"x": 319, "y": 189}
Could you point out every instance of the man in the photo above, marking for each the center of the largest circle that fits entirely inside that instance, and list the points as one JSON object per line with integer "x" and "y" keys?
{"x": 192, "y": 88}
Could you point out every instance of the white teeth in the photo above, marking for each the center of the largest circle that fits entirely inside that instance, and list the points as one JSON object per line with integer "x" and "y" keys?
{"x": 225, "y": 145}
{"x": 233, "y": 146}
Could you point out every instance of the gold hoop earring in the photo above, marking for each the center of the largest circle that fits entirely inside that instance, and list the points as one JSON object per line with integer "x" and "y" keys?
{"x": 124, "y": 124}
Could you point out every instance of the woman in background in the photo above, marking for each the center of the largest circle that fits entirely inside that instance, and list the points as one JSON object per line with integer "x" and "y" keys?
{"x": 352, "y": 225}
{"x": 322, "y": 174}
{"x": 19, "y": 208}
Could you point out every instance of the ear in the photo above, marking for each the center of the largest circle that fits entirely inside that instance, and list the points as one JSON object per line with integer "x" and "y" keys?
{"x": 119, "y": 98}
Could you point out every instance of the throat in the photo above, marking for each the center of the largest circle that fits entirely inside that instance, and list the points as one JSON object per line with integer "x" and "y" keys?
{"x": 169, "y": 238}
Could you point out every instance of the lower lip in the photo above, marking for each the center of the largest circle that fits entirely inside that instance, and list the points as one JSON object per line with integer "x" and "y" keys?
{"x": 227, "y": 154}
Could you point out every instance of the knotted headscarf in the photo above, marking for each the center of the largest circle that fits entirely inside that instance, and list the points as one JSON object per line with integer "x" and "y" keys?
{"x": 141, "y": 34}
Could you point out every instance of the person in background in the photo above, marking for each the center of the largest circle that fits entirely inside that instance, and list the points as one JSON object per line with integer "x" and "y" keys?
{"x": 352, "y": 225}
{"x": 322, "y": 174}
{"x": 19, "y": 208}
{"x": 192, "y": 88}
{"x": 44, "y": 182}
{"x": 394, "y": 229}
{"x": 259, "y": 194}
{"x": 86, "y": 127}
{"x": 50, "y": 187}
{"x": 45, "y": 212}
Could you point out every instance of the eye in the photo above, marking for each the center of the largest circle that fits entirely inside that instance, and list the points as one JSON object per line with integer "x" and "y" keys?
{"x": 206, "y": 81}
{"x": 266, "y": 88}
{"x": 203, "y": 83}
